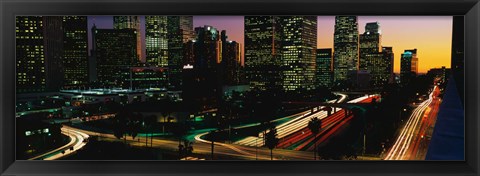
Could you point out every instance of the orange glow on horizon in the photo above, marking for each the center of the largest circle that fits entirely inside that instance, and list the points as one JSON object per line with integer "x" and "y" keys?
{"x": 431, "y": 35}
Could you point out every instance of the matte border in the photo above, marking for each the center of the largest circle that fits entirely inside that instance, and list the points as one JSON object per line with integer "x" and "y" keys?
{"x": 9, "y": 9}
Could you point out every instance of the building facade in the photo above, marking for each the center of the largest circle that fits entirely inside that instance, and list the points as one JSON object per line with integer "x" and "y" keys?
{"x": 369, "y": 42}
{"x": 408, "y": 66}
{"x": 156, "y": 43}
{"x": 389, "y": 58}
{"x": 231, "y": 61}
{"x": 180, "y": 30}
{"x": 130, "y": 22}
{"x": 114, "y": 49}
{"x": 202, "y": 78}
{"x": 75, "y": 58}
{"x": 144, "y": 77}
{"x": 298, "y": 52}
{"x": 324, "y": 71}
{"x": 39, "y": 53}
{"x": 345, "y": 43}
{"x": 263, "y": 53}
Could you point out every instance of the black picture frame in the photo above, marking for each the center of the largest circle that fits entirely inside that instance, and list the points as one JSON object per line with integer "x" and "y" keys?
{"x": 10, "y": 8}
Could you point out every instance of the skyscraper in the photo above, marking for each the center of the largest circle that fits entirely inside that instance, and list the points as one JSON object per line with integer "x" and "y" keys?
{"x": 262, "y": 52}
{"x": 39, "y": 53}
{"x": 156, "y": 43}
{"x": 388, "y": 56}
{"x": 186, "y": 26}
{"x": 231, "y": 61}
{"x": 414, "y": 60}
{"x": 115, "y": 50}
{"x": 372, "y": 58}
{"x": 324, "y": 72}
{"x": 202, "y": 81}
{"x": 53, "y": 45}
{"x": 345, "y": 43}
{"x": 408, "y": 65}
{"x": 75, "y": 58}
{"x": 370, "y": 42}
{"x": 207, "y": 47}
{"x": 375, "y": 59}
{"x": 130, "y": 22}
{"x": 298, "y": 50}
{"x": 30, "y": 54}
{"x": 179, "y": 30}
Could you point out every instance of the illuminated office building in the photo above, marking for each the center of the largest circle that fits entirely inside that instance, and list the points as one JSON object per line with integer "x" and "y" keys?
{"x": 144, "y": 77}
{"x": 375, "y": 59}
{"x": 324, "y": 72}
{"x": 156, "y": 43}
{"x": 263, "y": 52}
{"x": 39, "y": 53}
{"x": 114, "y": 50}
{"x": 388, "y": 56}
{"x": 130, "y": 22}
{"x": 345, "y": 47}
{"x": 408, "y": 65}
{"x": 179, "y": 30}
{"x": 414, "y": 60}
{"x": 75, "y": 57}
{"x": 298, "y": 47}
{"x": 370, "y": 43}
{"x": 30, "y": 54}
{"x": 186, "y": 27}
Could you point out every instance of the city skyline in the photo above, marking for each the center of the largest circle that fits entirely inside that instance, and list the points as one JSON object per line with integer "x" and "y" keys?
{"x": 431, "y": 35}
{"x": 191, "y": 90}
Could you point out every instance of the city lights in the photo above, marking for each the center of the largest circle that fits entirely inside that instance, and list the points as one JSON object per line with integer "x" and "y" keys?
{"x": 249, "y": 88}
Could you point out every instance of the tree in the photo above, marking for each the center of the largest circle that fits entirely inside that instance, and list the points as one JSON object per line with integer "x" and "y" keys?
{"x": 180, "y": 130}
{"x": 186, "y": 149}
{"x": 134, "y": 125}
{"x": 271, "y": 140}
{"x": 213, "y": 137}
{"x": 266, "y": 125}
{"x": 120, "y": 125}
{"x": 149, "y": 123}
{"x": 166, "y": 111}
{"x": 315, "y": 125}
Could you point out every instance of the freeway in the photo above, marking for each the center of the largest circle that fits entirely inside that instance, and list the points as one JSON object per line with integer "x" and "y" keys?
{"x": 412, "y": 142}
{"x": 303, "y": 139}
{"x": 295, "y": 124}
{"x": 77, "y": 141}
{"x": 204, "y": 148}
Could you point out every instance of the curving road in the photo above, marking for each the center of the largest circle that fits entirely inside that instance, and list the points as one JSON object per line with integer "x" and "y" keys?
{"x": 77, "y": 141}
{"x": 204, "y": 147}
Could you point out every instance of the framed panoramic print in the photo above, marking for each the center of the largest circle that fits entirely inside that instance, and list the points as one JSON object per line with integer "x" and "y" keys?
{"x": 240, "y": 87}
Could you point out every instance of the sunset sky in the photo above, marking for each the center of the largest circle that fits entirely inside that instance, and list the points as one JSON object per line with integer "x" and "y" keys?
{"x": 431, "y": 35}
